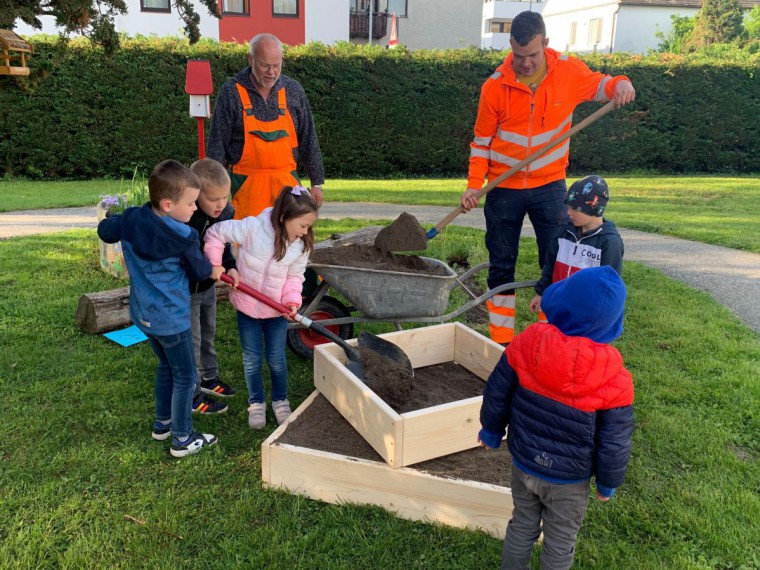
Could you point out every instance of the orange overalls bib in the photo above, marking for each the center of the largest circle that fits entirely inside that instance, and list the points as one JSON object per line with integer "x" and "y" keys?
{"x": 267, "y": 162}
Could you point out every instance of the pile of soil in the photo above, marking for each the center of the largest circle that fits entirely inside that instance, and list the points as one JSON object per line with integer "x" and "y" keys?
{"x": 370, "y": 257}
{"x": 431, "y": 386}
{"x": 322, "y": 427}
{"x": 391, "y": 380}
{"x": 404, "y": 234}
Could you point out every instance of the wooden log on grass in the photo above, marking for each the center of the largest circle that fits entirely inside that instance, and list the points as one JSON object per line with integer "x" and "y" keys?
{"x": 109, "y": 310}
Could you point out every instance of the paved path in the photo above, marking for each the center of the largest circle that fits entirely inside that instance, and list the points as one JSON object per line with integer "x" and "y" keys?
{"x": 732, "y": 277}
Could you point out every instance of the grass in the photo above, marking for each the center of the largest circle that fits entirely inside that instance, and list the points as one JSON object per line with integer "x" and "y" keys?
{"x": 77, "y": 457}
{"x": 718, "y": 210}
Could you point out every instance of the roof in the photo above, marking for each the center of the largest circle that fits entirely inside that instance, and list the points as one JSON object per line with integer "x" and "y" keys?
{"x": 11, "y": 40}
{"x": 748, "y": 4}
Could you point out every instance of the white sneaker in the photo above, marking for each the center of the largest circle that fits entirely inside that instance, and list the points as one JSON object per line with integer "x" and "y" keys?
{"x": 257, "y": 415}
{"x": 281, "y": 410}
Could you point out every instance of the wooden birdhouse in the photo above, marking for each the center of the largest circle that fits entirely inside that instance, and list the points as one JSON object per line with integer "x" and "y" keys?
{"x": 13, "y": 53}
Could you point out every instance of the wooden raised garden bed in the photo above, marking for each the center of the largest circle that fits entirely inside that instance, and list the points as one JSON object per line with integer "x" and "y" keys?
{"x": 409, "y": 493}
{"x": 408, "y": 438}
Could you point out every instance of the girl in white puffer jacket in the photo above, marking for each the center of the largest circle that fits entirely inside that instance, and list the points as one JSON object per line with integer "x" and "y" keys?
{"x": 274, "y": 248}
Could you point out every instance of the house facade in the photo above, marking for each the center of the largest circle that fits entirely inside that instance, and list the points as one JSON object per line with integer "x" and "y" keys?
{"x": 585, "y": 26}
{"x": 497, "y": 19}
{"x": 293, "y": 21}
{"x": 420, "y": 24}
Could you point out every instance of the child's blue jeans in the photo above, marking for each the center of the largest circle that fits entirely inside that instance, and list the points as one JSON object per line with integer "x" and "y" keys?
{"x": 272, "y": 334}
{"x": 175, "y": 380}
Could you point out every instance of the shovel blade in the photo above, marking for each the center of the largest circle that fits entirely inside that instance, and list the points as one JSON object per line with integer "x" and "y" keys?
{"x": 387, "y": 352}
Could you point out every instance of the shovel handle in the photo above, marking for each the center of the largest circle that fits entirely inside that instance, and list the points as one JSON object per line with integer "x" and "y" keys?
{"x": 520, "y": 165}
{"x": 352, "y": 353}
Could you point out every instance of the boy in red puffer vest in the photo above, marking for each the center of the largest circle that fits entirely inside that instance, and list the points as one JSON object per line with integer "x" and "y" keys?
{"x": 568, "y": 401}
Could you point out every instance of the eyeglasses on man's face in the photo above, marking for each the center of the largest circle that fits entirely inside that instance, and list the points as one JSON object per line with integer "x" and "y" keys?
{"x": 269, "y": 67}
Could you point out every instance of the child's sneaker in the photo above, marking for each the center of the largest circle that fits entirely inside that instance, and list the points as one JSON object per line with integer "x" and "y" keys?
{"x": 161, "y": 431}
{"x": 281, "y": 410}
{"x": 216, "y": 387}
{"x": 202, "y": 404}
{"x": 193, "y": 444}
{"x": 257, "y": 415}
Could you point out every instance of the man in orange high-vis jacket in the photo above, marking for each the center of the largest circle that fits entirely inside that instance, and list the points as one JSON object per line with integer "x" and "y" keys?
{"x": 261, "y": 128}
{"x": 527, "y": 103}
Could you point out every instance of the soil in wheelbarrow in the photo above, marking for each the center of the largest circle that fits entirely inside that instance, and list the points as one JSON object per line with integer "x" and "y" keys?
{"x": 321, "y": 427}
{"x": 371, "y": 257}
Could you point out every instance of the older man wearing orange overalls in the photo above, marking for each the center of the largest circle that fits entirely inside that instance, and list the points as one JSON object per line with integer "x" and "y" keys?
{"x": 262, "y": 127}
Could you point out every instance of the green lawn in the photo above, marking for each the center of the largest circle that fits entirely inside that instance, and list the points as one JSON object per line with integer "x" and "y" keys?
{"x": 712, "y": 209}
{"x": 77, "y": 456}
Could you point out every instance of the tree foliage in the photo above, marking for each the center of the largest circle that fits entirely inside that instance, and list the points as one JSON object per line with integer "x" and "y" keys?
{"x": 752, "y": 24}
{"x": 717, "y": 22}
{"x": 93, "y": 18}
{"x": 675, "y": 41}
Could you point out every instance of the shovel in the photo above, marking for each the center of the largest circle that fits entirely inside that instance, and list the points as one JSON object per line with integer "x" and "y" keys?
{"x": 379, "y": 347}
{"x": 400, "y": 231}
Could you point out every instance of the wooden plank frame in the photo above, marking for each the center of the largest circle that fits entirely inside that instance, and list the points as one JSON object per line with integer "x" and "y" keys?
{"x": 412, "y": 437}
{"x": 409, "y": 494}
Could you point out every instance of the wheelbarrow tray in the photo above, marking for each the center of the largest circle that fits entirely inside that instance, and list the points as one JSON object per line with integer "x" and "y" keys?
{"x": 392, "y": 294}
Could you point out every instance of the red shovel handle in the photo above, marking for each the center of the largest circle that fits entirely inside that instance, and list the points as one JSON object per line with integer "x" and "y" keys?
{"x": 256, "y": 295}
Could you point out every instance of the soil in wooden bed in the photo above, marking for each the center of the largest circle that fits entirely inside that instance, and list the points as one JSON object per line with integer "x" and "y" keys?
{"x": 370, "y": 257}
{"x": 431, "y": 385}
{"x": 321, "y": 427}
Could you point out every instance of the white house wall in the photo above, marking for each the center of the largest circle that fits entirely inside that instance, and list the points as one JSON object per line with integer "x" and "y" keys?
{"x": 146, "y": 23}
{"x": 327, "y": 21}
{"x": 160, "y": 24}
{"x": 560, "y": 16}
{"x": 637, "y": 26}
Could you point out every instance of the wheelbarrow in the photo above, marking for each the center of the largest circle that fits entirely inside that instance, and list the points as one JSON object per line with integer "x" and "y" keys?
{"x": 380, "y": 296}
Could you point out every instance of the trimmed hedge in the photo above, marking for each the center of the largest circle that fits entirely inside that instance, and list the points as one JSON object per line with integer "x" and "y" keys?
{"x": 379, "y": 112}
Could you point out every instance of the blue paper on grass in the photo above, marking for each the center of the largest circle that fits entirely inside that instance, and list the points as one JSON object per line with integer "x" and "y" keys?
{"x": 127, "y": 337}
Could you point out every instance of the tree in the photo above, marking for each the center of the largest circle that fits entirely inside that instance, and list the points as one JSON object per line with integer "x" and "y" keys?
{"x": 93, "y": 18}
{"x": 718, "y": 22}
{"x": 675, "y": 41}
{"x": 752, "y": 24}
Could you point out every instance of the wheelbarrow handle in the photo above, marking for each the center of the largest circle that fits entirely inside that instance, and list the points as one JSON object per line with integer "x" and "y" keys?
{"x": 434, "y": 231}
{"x": 305, "y": 321}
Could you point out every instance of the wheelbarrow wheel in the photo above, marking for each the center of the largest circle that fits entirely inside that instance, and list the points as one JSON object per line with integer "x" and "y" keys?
{"x": 303, "y": 341}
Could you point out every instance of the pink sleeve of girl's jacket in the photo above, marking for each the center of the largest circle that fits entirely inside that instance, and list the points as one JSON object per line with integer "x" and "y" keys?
{"x": 230, "y": 231}
{"x": 291, "y": 291}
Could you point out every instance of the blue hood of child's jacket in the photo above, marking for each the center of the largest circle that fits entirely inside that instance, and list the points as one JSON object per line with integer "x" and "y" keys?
{"x": 589, "y": 303}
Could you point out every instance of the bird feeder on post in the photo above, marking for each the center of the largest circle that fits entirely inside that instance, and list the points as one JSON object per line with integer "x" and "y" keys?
{"x": 199, "y": 86}
{"x": 12, "y": 42}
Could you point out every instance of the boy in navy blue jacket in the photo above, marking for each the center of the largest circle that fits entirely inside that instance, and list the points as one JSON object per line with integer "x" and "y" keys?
{"x": 587, "y": 241}
{"x": 568, "y": 401}
{"x": 161, "y": 253}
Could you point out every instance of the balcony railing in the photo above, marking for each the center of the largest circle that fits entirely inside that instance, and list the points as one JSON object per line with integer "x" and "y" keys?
{"x": 360, "y": 25}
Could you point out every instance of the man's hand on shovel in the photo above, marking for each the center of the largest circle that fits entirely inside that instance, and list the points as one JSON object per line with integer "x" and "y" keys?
{"x": 469, "y": 199}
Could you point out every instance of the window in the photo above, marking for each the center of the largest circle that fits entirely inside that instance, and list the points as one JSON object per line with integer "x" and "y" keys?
{"x": 398, "y": 7}
{"x": 573, "y": 33}
{"x": 285, "y": 8}
{"x": 501, "y": 27}
{"x": 595, "y": 31}
{"x": 235, "y": 7}
{"x": 155, "y": 6}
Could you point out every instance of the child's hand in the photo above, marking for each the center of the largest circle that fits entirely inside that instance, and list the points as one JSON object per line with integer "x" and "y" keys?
{"x": 235, "y": 277}
{"x": 535, "y": 304}
{"x": 483, "y": 445}
{"x": 217, "y": 272}
{"x": 292, "y": 314}
{"x": 601, "y": 497}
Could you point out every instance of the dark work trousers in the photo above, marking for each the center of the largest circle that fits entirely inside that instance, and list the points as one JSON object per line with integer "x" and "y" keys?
{"x": 505, "y": 210}
{"x": 539, "y": 505}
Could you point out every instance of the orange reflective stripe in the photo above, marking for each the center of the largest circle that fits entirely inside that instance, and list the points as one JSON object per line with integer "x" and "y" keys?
{"x": 501, "y": 335}
{"x": 541, "y": 317}
{"x": 265, "y": 165}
